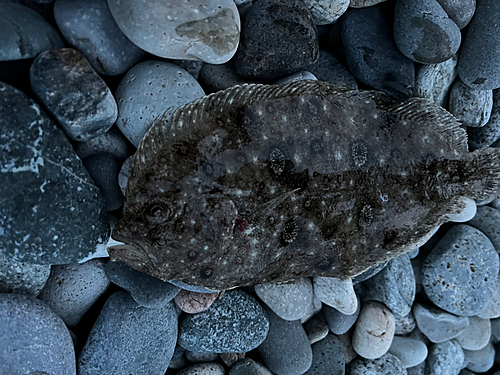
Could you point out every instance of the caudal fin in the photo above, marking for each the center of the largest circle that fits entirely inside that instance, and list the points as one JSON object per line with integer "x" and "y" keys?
{"x": 484, "y": 173}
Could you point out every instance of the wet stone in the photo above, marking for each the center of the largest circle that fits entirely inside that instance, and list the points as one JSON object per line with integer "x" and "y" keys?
{"x": 433, "y": 81}
{"x": 477, "y": 334}
{"x": 147, "y": 291}
{"x": 480, "y": 360}
{"x": 385, "y": 365}
{"x": 40, "y": 167}
{"x": 73, "y": 93}
{"x": 460, "y": 12}
{"x": 328, "y": 357}
{"x": 409, "y": 351}
{"x": 328, "y": 69}
{"x": 438, "y": 325}
{"x": 340, "y": 323}
{"x": 22, "y": 278}
{"x": 240, "y": 322}
{"x": 193, "y": 302}
{"x": 467, "y": 264}
{"x": 470, "y": 106}
{"x": 444, "y": 359}
{"x": 90, "y": 28}
{"x": 203, "y": 369}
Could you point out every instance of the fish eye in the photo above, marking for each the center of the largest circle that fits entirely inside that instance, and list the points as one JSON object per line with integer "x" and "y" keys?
{"x": 158, "y": 213}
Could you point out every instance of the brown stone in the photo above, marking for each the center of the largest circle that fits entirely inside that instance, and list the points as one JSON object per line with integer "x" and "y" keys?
{"x": 193, "y": 302}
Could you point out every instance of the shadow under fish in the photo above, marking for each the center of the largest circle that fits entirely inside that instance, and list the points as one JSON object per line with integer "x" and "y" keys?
{"x": 261, "y": 183}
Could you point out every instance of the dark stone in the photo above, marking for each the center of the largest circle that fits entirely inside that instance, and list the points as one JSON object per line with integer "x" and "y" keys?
{"x": 112, "y": 142}
{"x": 372, "y": 55}
{"x": 328, "y": 357}
{"x": 489, "y": 134}
{"x": 191, "y": 66}
{"x": 214, "y": 77}
{"x": 74, "y": 93}
{"x": 278, "y": 38}
{"x": 385, "y": 365}
{"x": 50, "y": 210}
{"x": 248, "y": 366}
{"x": 328, "y": 69}
{"x": 337, "y": 322}
{"x": 370, "y": 272}
{"x": 479, "y": 62}
{"x": 460, "y": 12}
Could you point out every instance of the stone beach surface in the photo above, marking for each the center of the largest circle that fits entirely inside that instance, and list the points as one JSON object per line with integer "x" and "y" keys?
{"x": 84, "y": 80}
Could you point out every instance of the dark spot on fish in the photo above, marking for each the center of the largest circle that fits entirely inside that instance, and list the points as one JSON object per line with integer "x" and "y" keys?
{"x": 157, "y": 213}
{"x": 317, "y": 147}
{"x": 206, "y": 273}
{"x": 192, "y": 255}
{"x": 290, "y": 233}
{"x": 324, "y": 264}
{"x": 277, "y": 161}
{"x": 366, "y": 215}
{"x": 479, "y": 81}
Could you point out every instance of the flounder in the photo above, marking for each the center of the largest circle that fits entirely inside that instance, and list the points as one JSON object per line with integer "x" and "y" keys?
{"x": 261, "y": 183}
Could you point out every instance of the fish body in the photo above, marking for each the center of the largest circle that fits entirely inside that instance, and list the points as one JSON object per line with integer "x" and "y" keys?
{"x": 262, "y": 183}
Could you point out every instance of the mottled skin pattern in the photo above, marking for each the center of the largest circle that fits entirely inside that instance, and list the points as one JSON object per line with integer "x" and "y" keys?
{"x": 269, "y": 183}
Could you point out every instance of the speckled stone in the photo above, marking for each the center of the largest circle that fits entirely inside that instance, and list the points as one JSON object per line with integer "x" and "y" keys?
{"x": 231, "y": 358}
{"x": 364, "y": 3}
{"x": 460, "y": 12}
{"x": 146, "y": 290}
{"x": 480, "y": 360}
{"x": 124, "y": 173}
{"x": 125, "y": 334}
{"x": 312, "y": 310}
{"x": 248, "y": 366}
{"x": 476, "y": 335}
{"x": 326, "y": 11}
{"x": 370, "y": 272}
{"x": 416, "y": 370}
{"x": 489, "y": 134}
{"x": 316, "y": 330}
{"x": 385, "y": 365}
{"x": 444, "y": 359}
{"x": 239, "y": 321}
{"x": 22, "y": 278}
{"x": 487, "y": 220}
{"x": 340, "y": 323}
{"x": 404, "y": 324}
{"x": 471, "y": 107}
{"x": 328, "y": 357}
{"x": 25, "y": 33}
{"x": 438, "y": 325}
{"x": 194, "y": 302}
{"x": 73, "y": 93}
{"x": 374, "y": 330}
{"x": 328, "y": 69}
{"x": 336, "y": 293}
{"x": 433, "y": 81}
{"x": 194, "y": 30}
{"x": 295, "y": 77}
{"x": 147, "y": 91}
{"x": 73, "y": 288}
{"x": 286, "y": 349}
{"x": 33, "y": 338}
{"x": 492, "y": 309}
{"x": 90, "y": 28}
{"x": 467, "y": 264}
{"x": 40, "y": 167}
{"x": 203, "y": 369}
{"x": 410, "y": 352}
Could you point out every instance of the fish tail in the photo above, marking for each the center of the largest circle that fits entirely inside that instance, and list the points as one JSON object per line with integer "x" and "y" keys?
{"x": 484, "y": 172}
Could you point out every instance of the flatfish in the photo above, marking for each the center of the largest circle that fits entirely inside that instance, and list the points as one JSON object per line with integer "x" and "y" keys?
{"x": 268, "y": 183}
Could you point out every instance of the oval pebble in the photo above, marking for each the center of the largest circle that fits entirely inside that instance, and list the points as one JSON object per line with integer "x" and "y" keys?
{"x": 316, "y": 329}
{"x": 489, "y": 134}
{"x": 438, "y": 325}
{"x": 466, "y": 264}
{"x": 480, "y": 360}
{"x": 326, "y": 11}
{"x": 33, "y": 338}
{"x": 22, "y": 278}
{"x": 248, "y": 366}
{"x": 328, "y": 69}
{"x": 424, "y": 33}
{"x": 477, "y": 334}
{"x": 290, "y": 301}
{"x": 295, "y": 77}
{"x": 404, "y": 324}
{"x": 124, "y": 173}
{"x": 194, "y": 302}
{"x": 479, "y": 64}
{"x": 194, "y": 30}
{"x": 460, "y": 12}
{"x": 492, "y": 309}
{"x": 286, "y": 349}
{"x": 340, "y": 323}
{"x": 467, "y": 213}
{"x": 147, "y": 91}
{"x": 374, "y": 330}
{"x": 471, "y": 107}
{"x": 203, "y": 369}
{"x": 336, "y": 293}
{"x": 487, "y": 220}
{"x": 444, "y": 359}
{"x": 90, "y": 28}
{"x": 240, "y": 322}
{"x": 409, "y": 351}
{"x": 364, "y": 3}
{"x": 125, "y": 334}
{"x": 73, "y": 288}
{"x": 112, "y": 142}
{"x": 385, "y": 365}
{"x": 328, "y": 357}
{"x": 394, "y": 286}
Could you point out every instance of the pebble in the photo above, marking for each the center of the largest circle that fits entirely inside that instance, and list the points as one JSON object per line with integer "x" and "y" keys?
{"x": 33, "y": 338}
{"x": 372, "y": 55}
{"x": 349, "y": 353}
{"x": 203, "y": 369}
{"x": 39, "y": 168}
{"x": 104, "y": 169}
{"x": 112, "y": 142}
{"x": 295, "y": 77}
{"x": 214, "y": 78}
{"x": 316, "y": 330}
{"x": 477, "y": 334}
{"x": 90, "y": 28}
{"x": 413, "y": 254}
{"x": 480, "y": 360}
{"x": 470, "y": 106}
{"x": 364, "y": 3}
{"x": 73, "y": 93}
{"x": 312, "y": 310}
{"x": 466, "y": 264}
{"x": 370, "y": 272}
{"x": 290, "y": 301}
{"x": 191, "y": 288}
{"x": 235, "y": 323}
{"x": 325, "y": 12}
{"x": 22, "y": 278}
{"x": 438, "y": 325}
{"x": 385, "y": 365}
{"x": 409, "y": 351}
{"x": 340, "y": 323}
{"x": 278, "y": 38}
{"x": 479, "y": 64}
{"x": 495, "y": 330}
{"x": 445, "y": 358}
{"x": 147, "y": 91}
{"x": 487, "y": 220}
{"x": 489, "y": 134}
{"x": 146, "y": 290}
{"x": 231, "y": 358}
{"x": 73, "y": 288}
{"x": 178, "y": 360}
{"x": 328, "y": 69}
{"x": 196, "y": 30}
{"x": 394, "y": 286}
{"x": 125, "y": 335}
{"x": 467, "y": 213}
{"x": 124, "y": 173}
{"x": 460, "y": 12}
{"x": 194, "y": 302}
{"x": 492, "y": 309}
{"x": 416, "y": 370}
{"x": 336, "y": 293}
{"x": 25, "y": 33}
{"x": 404, "y": 324}
{"x": 424, "y": 33}
{"x": 374, "y": 330}
{"x": 248, "y": 366}
{"x": 433, "y": 81}
{"x": 286, "y": 349}
{"x": 328, "y": 357}
{"x": 191, "y": 66}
